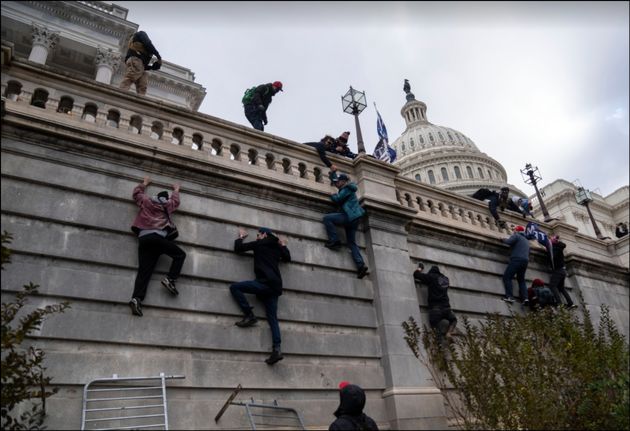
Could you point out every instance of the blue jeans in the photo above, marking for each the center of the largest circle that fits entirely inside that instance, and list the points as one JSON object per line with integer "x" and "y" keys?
{"x": 267, "y": 296}
{"x": 518, "y": 267}
{"x": 255, "y": 117}
{"x": 341, "y": 219}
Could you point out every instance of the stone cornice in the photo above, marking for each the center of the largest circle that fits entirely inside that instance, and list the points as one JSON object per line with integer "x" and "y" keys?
{"x": 83, "y": 15}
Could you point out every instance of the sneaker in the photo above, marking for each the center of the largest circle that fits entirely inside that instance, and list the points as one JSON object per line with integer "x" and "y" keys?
{"x": 136, "y": 307}
{"x": 362, "y": 272}
{"x": 170, "y": 286}
{"x": 508, "y": 299}
{"x": 333, "y": 245}
{"x": 276, "y": 356}
{"x": 247, "y": 321}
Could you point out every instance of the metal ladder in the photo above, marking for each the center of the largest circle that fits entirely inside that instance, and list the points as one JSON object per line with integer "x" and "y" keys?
{"x": 114, "y": 403}
{"x": 265, "y": 416}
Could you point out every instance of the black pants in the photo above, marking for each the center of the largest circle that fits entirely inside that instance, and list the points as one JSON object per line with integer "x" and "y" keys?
{"x": 442, "y": 319}
{"x": 150, "y": 248}
{"x": 556, "y": 284}
{"x": 493, "y": 197}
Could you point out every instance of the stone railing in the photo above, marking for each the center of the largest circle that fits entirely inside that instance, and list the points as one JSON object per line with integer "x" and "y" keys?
{"x": 101, "y": 109}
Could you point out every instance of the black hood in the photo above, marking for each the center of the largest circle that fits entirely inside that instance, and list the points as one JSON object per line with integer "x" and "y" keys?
{"x": 434, "y": 270}
{"x": 351, "y": 401}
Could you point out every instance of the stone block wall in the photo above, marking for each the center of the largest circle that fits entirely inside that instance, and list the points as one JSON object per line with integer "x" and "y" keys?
{"x": 66, "y": 198}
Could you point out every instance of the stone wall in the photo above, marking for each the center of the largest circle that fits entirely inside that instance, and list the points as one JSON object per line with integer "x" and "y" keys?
{"x": 66, "y": 198}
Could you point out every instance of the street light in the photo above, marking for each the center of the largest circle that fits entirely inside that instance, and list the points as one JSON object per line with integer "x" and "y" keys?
{"x": 532, "y": 177}
{"x": 583, "y": 197}
{"x": 353, "y": 102}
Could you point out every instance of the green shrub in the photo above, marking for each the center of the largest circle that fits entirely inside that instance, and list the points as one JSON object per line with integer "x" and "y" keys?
{"x": 543, "y": 370}
{"x": 23, "y": 379}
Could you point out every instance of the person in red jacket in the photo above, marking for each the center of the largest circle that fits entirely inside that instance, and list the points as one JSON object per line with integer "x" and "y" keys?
{"x": 153, "y": 225}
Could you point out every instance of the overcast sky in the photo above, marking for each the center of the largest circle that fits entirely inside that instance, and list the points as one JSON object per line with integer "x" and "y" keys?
{"x": 538, "y": 82}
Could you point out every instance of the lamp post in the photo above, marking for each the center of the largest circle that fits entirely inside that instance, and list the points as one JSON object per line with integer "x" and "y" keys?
{"x": 583, "y": 197}
{"x": 353, "y": 102}
{"x": 532, "y": 177}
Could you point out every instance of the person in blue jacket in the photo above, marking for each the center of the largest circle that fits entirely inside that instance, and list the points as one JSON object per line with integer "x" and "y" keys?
{"x": 349, "y": 217}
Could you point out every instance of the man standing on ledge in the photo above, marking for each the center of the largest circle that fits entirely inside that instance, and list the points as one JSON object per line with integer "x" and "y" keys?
{"x": 139, "y": 54}
{"x": 268, "y": 252}
{"x": 256, "y": 101}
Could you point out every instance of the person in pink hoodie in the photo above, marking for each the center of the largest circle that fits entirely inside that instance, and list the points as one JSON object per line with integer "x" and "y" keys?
{"x": 156, "y": 232}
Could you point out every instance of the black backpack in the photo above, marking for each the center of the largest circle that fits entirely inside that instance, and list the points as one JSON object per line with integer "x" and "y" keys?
{"x": 443, "y": 281}
{"x": 545, "y": 296}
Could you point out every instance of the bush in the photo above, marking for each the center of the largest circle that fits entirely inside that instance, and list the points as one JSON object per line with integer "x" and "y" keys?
{"x": 541, "y": 370}
{"x": 22, "y": 371}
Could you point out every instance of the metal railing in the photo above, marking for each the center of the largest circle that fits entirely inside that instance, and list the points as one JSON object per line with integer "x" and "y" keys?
{"x": 265, "y": 416}
{"x": 112, "y": 403}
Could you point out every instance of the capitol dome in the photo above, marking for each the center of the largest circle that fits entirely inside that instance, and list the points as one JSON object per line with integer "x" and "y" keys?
{"x": 442, "y": 156}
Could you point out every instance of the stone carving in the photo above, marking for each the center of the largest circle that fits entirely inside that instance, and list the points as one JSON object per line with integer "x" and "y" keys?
{"x": 44, "y": 36}
{"x": 107, "y": 57}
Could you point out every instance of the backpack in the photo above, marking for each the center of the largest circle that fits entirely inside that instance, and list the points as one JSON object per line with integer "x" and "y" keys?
{"x": 545, "y": 296}
{"x": 443, "y": 281}
{"x": 248, "y": 96}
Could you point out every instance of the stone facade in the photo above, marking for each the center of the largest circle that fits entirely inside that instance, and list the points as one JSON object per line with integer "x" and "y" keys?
{"x": 67, "y": 178}
{"x": 559, "y": 198}
{"x": 88, "y": 39}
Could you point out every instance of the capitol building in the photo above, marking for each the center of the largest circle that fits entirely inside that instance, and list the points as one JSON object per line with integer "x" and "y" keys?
{"x": 448, "y": 159}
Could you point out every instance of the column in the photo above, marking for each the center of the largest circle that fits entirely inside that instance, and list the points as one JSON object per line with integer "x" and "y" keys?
{"x": 411, "y": 398}
{"x": 107, "y": 61}
{"x": 44, "y": 40}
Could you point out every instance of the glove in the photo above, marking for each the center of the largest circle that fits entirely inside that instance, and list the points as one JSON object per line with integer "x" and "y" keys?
{"x": 265, "y": 122}
{"x": 261, "y": 107}
{"x": 156, "y": 66}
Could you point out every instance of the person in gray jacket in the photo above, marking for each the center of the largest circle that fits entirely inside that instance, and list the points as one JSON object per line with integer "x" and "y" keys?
{"x": 519, "y": 258}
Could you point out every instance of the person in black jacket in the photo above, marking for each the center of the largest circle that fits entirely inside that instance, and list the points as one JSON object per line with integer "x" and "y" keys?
{"x": 256, "y": 108}
{"x": 441, "y": 317}
{"x": 495, "y": 200}
{"x": 332, "y": 145}
{"x": 558, "y": 271}
{"x": 350, "y": 414}
{"x": 268, "y": 252}
{"x": 137, "y": 60}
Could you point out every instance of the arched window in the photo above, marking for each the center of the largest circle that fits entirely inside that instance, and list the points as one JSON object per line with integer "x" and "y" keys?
{"x": 235, "y": 152}
{"x": 252, "y": 157}
{"x": 480, "y": 172}
{"x": 431, "y": 177}
{"x": 450, "y": 138}
{"x": 157, "y": 129}
{"x": 418, "y": 177}
{"x": 431, "y": 138}
{"x": 458, "y": 173}
{"x": 421, "y": 139}
{"x": 217, "y": 147}
{"x": 66, "y": 103}
{"x": 469, "y": 172}
{"x": 113, "y": 118}
{"x": 444, "y": 174}
{"x": 197, "y": 141}
{"x": 489, "y": 174}
{"x": 89, "y": 112}
{"x": 13, "y": 90}
{"x": 411, "y": 142}
{"x": 441, "y": 137}
{"x": 40, "y": 97}
{"x": 135, "y": 124}
{"x": 178, "y": 136}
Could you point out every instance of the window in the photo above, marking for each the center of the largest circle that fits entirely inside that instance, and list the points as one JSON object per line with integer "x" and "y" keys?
{"x": 411, "y": 142}
{"x": 458, "y": 173}
{"x": 469, "y": 172}
{"x": 135, "y": 124}
{"x": 197, "y": 141}
{"x": 444, "y": 174}
{"x": 113, "y": 118}
{"x": 480, "y": 172}
{"x": 178, "y": 136}
{"x": 13, "y": 90}
{"x": 418, "y": 177}
{"x": 431, "y": 138}
{"x": 431, "y": 177}
{"x": 89, "y": 112}
{"x": 421, "y": 140}
{"x": 156, "y": 130}
{"x": 39, "y": 99}
{"x": 489, "y": 174}
{"x": 65, "y": 105}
